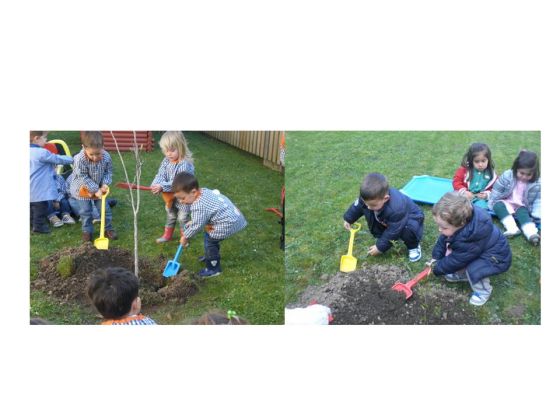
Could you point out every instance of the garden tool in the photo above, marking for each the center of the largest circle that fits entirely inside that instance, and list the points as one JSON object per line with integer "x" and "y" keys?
{"x": 102, "y": 242}
{"x": 172, "y": 267}
{"x": 407, "y": 287}
{"x": 127, "y": 186}
{"x": 348, "y": 262}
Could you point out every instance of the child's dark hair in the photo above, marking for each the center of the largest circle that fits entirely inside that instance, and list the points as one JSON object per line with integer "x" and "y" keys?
{"x": 453, "y": 208}
{"x": 374, "y": 186}
{"x": 93, "y": 139}
{"x": 185, "y": 182}
{"x": 474, "y": 150}
{"x": 527, "y": 160}
{"x": 220, "y": 318}
{"x": 112, "y": 291}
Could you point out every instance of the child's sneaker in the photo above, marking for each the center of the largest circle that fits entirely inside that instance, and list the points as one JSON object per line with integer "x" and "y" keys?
{"x": 455, "y": 277}
{"x": 478, "y": 299}
{"x": 202, "y": 258}
{"x": 55, "y": 221}
{"x": 209, "y": 272}
{"x": 534, "y": 239}
{"x": 111, "y": 234}
{"x": 414, "y": 254}
{"x": 68, "y": 220}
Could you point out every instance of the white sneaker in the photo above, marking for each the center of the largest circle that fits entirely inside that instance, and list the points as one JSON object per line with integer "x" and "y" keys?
{"x": 455, "y": 277}
{"x": 55, "y": 221}
{"x": 478, "y": 299}
{"x": 414, "y": 254}
{"x": 68, "y": 220}
{"x": 510, "y": 233}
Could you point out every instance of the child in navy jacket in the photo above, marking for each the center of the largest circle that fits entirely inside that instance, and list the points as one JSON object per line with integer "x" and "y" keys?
{"x": 470, "y": 248}
{"x": 390, "y": 215}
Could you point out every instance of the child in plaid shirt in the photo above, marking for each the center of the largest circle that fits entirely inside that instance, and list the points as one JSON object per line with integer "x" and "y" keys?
{"x": 178, "y": 158}
{"x": 90, "y": 179}
{"x": 114, "y": 293}
{"x": 209, "y": 210}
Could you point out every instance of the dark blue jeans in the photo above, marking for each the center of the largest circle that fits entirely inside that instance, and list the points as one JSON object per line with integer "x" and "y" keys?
{"x": 85, "y": 209}
{"x": 62, "y": 210}
{"x": 211, "y": 248}
{"x": 39, "y": 215}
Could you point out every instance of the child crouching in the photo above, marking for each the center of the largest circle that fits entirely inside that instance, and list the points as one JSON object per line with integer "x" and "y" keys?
{"x": 211, "y": 211}
{"x": 470, "y": 248}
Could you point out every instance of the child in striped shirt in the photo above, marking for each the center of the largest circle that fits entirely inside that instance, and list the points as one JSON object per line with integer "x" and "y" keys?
{"x": 211, "y": 211}
{"x": 114, "y": 293}
{"x": 178, "y": 158}
{"x": 90, "y": 179}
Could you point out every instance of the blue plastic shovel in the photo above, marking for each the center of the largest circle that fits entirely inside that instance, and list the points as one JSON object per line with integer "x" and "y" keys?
{"x": 173, "y": 266}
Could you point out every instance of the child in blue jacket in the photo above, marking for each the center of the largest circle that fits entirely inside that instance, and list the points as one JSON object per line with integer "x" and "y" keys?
{"x": 390, "y": 215}
{"x": 470, "y": 248}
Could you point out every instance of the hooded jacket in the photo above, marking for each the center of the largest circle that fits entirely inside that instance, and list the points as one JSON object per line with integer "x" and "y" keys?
{"x": 479, "y": 246}
{"x": 397, "y": 214}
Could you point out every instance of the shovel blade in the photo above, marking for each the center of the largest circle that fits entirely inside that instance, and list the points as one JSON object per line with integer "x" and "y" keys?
{"x": 401, "y": 287}
{"x": 171, "y": 269}
{"x": 348, "y": 263}
{"x": 101, "y": 243}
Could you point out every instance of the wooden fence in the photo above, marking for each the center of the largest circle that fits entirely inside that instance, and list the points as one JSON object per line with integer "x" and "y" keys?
{"x": 265, "y": 144}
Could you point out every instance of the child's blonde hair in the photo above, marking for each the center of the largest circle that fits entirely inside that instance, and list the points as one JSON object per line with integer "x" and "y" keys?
{"x": 176, "y": 140}
{"x": 453, "y": 208}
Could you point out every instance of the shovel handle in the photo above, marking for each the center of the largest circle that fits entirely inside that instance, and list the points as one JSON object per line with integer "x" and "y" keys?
{"x": 419, "y": 276}
{"x": 352, "y": 233}
{"x": 178, "y": 253}
{"x": 102, "y": 228}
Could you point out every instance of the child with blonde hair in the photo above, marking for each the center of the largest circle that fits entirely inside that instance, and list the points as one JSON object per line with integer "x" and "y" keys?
{"x": 518, "y": 193}
{"x": 470, "y": 248}
{"x": 178, "y": 158}
{"x": 476, "y": 176}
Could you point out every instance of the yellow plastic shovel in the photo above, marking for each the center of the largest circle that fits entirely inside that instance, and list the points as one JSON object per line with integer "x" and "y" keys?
{"x": 348, "y": 262}
{"x": 102, "y": 242}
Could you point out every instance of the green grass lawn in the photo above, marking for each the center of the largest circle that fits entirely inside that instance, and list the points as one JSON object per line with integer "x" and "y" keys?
{"x": 252, "y": 283}
{"x": 323, "y": 174}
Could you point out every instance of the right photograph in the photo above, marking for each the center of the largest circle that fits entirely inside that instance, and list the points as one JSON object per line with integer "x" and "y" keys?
{"x": 413, "y": 227}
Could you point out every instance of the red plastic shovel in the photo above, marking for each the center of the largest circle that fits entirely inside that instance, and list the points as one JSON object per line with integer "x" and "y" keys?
{"x": 407, "y": 287}
{"x": 132, "y": 186}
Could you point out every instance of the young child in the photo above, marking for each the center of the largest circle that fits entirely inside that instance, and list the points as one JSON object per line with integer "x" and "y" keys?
{"x": 470, "y": 248}
{"x": 92, "y": 174}
{"x": 211, "y": 211}
{"x": 114, "y": 293}
{"x": 60, "y": 206}
{"x": 518, "y": 193}
{"x": 42, "y": 179}
{"x": 220, "y": 318}
{"x": 178, "y": 158}
{"x": 390, "y": 215}
{"x": 476, "y": 176}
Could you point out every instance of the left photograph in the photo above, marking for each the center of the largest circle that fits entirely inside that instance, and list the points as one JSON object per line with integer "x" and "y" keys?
{"x": 157, "y": 227}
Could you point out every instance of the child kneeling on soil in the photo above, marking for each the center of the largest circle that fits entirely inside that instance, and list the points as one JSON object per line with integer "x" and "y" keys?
{"x": 211, "y": 211}
{"x": 470, "y": 248}
{"x": 390, "y": 215}
{"x": 114, "y": 293}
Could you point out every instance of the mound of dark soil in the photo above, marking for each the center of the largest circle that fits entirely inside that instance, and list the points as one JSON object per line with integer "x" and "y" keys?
{"x": 64, "y": 276}
{"x": 365, "y": 297}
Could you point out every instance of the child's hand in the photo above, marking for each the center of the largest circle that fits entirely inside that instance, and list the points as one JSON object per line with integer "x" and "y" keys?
{"x": 482, "y": 195}
{"x": 347, "y": 225}
{"x": 431, "y": 262}
{"x": 104, "y": 188}
{"x": 469, "y": 195}
{"x": 184, "y": 241}
{"x": 156, "y": 189}
{"x": 98, "y": 193}
{"x": 374, "y": 251}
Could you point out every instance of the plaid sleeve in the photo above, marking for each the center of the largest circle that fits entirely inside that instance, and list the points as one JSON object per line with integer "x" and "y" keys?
{"x": 160, "y": 176}
{"x": 200, "y": 216}
{"x": 82, "y": 173}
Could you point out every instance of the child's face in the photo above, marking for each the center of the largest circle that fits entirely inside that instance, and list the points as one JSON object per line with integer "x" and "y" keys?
{"x": 94, "y": 154}
{"x": 187, "y": 197}
{"x": 172, "y": 154}
{"x": 376, "y": 204}
{"x": 40, "y": 140}
{"x": 524, "y": 175}
{"x": 480, "y": 162}
{"x": 445, "y": 228}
